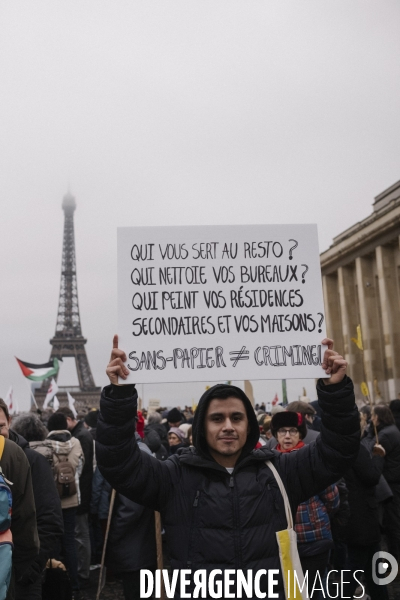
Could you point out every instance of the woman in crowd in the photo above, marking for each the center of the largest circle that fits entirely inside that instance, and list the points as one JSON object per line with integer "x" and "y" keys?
{"x": 389, "y": 439}
{"x": 176, "y": 439}
{"x": 312, "y": 525}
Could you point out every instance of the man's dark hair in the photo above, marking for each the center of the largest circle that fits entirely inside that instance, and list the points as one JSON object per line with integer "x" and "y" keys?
{"x": 301, "y": 407}
{"x": 65, "y": 410}
{"x": 384, "y": 415}
{"x": 57, "y": 421}
{"x": 228, "y": 392}
{"x": 4, "y": 408}
{"x": 30, "y": 427}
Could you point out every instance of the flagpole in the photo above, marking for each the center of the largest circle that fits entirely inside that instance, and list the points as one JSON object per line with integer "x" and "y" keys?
{"x": 33, "y": 396}
{"x": 284, "y": 393}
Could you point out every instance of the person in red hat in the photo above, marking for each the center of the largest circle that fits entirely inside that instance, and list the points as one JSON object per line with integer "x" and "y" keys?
{"x": 312, "y": 525}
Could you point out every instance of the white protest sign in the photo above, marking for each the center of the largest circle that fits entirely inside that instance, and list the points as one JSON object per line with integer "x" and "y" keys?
{"x": 153, "y": 405}
{"x": 220, "y": 303}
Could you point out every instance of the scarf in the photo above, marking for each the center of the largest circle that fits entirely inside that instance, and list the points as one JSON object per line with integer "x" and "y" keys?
{"x": 297, "y": 447}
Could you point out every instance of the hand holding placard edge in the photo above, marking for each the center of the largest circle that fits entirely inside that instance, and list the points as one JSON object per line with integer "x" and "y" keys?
{"x": 116, "y": 367}
{"x": 334, "y": 364}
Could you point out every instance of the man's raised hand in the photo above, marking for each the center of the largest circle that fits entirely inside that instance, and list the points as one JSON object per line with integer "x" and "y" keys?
{"x": 116, "y": 367}
{"x": 335, "y": 365}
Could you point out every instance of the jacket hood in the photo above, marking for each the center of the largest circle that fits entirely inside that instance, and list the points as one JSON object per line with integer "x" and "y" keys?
{"x": 18, "y": 439}
{"x": 198, "y": 429}
{"x": 59, "y": 435}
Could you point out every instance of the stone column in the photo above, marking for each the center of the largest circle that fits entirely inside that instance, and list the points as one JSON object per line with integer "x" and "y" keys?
{"x": 390, "y": 313}
{"x": 334, "y": 327}
{"x": 370, "y": 319}
{"x": 350, "y": 320}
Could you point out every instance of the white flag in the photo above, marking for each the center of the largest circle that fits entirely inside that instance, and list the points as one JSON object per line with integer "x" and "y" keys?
{"x": 71, "y": 404}
{"x": 51, "y": 392}
{"x": 56, "y": 404}
{"x": 9, "y": 400}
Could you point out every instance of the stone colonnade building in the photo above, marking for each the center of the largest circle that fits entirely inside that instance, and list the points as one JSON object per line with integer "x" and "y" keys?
{"x": 361, "y": 283}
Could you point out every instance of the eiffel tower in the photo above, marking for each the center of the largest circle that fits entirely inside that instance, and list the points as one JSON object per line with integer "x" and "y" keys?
{"x": 68, "y": 340}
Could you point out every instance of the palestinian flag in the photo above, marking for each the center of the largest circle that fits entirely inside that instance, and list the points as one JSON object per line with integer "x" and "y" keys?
{"x": 39, "y": 372}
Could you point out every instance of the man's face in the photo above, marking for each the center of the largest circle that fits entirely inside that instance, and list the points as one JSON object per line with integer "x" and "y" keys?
{"x": 227, "y": 427}
{"x": 70, "y": 423}
{"x": 4, "y": 424}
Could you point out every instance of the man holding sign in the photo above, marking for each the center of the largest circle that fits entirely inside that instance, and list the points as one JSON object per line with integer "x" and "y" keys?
{"x": 219, "y": 501}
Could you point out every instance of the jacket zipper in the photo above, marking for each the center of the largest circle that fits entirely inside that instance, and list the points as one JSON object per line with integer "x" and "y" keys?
{"x": 236, "y": 535}
{"x": 195, "y": 505}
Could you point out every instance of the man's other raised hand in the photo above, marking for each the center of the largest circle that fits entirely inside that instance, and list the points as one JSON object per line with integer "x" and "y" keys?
{"x": 116, "y": 367}
{"x": 335, "y": 366}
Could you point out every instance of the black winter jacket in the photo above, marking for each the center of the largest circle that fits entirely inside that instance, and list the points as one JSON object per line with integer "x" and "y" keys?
{"x": 361, "y": 480}
{"x": 49, "y": 517}
{"x": 389, "y": 438}
{"x": 213, "y": 519}
{"x": 85, "y": 480}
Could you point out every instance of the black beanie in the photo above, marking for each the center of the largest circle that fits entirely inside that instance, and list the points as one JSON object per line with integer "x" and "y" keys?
{"x": 174, "y": 416}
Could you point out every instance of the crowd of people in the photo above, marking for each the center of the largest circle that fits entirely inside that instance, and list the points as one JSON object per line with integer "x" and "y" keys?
{"x": 65, "y": 487}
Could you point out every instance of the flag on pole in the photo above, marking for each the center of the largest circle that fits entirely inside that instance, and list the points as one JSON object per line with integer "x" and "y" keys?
{"x": 358, "y": 341}
{"x": 56, "y": 404}
{"x": 276, "y": 400}
{"x": 39, "y": 372}
{"x": 51, "y": 392}
{"x": 9, "y": 400}
{"x": 71, "y": 404}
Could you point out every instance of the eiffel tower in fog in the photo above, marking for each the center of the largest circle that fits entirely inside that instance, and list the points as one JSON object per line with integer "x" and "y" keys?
{"x": 68, "y": 340}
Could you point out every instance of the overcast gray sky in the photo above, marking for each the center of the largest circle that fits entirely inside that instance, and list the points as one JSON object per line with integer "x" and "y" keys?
{"x": 177, "y": 112}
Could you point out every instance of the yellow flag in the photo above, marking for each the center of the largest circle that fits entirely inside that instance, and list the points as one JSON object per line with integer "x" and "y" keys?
{"x": 358, "y": 342}
{"x": 364, "y": 389}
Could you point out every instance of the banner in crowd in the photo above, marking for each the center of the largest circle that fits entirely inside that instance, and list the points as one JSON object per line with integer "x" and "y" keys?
{"x": 220, "y": 303}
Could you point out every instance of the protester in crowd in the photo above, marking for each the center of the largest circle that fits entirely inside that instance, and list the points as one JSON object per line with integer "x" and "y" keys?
{"x": 153, "y": 441}
{"x": 389, "y": 439}
{"x": 49, "y": 520}
{"x": 132, "y": 542}
{"x": 140, "y": 424}
{"x": 154, "y": 422}
{"x": 82, "y": 533}
{"x": 365, "y": 416}
{"x": 266, "y": 433}
{"x": 15, "y": 468}
{"x": 362, "y": 529}
{"x": 395, "y": 410}
{"x": 312, "y": 524}
{"x": 222, "y": 491}
{"x": 65, "y": 447}
{"x": 90, "y": 421}
{"x": 184, "y": 427}
{"x": 176, "y": 439}
{"x": 174, "y": 418}
{"x": 307, "y": 411}
{"x": 99, "y": 507}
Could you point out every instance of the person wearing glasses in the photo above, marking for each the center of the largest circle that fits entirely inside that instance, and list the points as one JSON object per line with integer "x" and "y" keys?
{"x": 312, "y": 524}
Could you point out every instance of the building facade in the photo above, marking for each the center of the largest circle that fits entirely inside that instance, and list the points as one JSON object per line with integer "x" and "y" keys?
{"x": 361, "y": 283}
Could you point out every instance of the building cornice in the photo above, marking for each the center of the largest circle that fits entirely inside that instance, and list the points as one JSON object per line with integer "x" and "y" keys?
{"x": 381, "y": 227}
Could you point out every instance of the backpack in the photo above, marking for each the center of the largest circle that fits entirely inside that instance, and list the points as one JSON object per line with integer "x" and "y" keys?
{"x": 64, "y": 476}
{"x": 6, "y": 545}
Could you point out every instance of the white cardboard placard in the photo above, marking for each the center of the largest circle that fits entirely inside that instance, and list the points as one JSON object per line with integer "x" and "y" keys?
{"x": 219, "y": 303}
